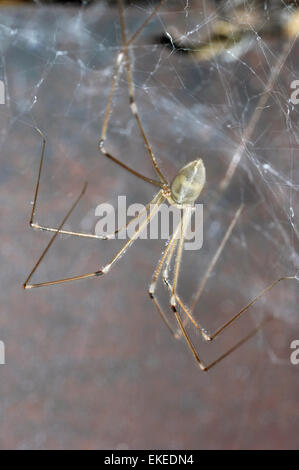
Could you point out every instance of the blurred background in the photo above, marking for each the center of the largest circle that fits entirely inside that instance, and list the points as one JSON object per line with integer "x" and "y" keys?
{"x": 90, "y": 365}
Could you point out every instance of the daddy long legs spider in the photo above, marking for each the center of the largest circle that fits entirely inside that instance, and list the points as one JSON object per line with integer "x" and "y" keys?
{"x": 182, "y": 192}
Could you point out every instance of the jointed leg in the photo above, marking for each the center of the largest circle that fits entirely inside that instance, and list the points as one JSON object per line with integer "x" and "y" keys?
{"x": 172, "y": 287}
{"x": 143, "y": 224}
{"x": 189, "y": 342}
{"x": 35, "y": 225}
{"x": 204, "y": 367}
{"x": 167, "y": 253}
{"x": 220, "y": 330}
{"x": 210, "y": 337}
{"x": 206, "y": 336}
{"x": 187, "y": 311}
{"x": 29, "y": 286}
{"x": 244, "y": 309}
{"x": 236, "y": 346}
{"x": 101, "y": 146}
{"x": 124, "y": 53}
{"x": 119, "y": 60}
{"x": 104, "y": 269}
{"x": 165, "y": 261}
{"x": 133, "y": 104}
{"x": 32, "y": 222}
{"x": 184, "y": 224}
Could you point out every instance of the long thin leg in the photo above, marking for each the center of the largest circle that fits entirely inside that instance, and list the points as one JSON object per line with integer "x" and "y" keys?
{"x": 187, "y": 311}
{"x": 222, "y": 186}
{"x": 104, "y": 269}
{"x": 184, "y": 224}
{"x": 28, "y": 286}
{"x": 172, "y": 288}
{"x": 119, "y": 59}
{"x": 123, "y": 53}
{"x": 170, "y": 253}
{"x": 169, "y": 258}
{"x": 146, "y": 21}
{"x": 184, "y": 308}
{"x": 244, "y": 309}
{"x": 37, "y": 226}
{"x": 126, "y": 167}
{"x": 189, "y": 342}
{"x": 107, "y": 236}
{"x": 210, "y": 337}
{"x": 153, "y": 211}
{"x": 166, "y": 259}
{"x": 236, "y": 346}
{"x": 167, "y": 254}
{"x": 204, "y": 367}
{"x": 133, "y": 104}
{"x": 38, "y": 176}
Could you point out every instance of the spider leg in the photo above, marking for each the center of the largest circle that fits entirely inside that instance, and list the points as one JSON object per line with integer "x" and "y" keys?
{"x": 28, "y": 286}
{"x": 185, "y": 310}
{"x": 210, "y": 337}
{"x": 242, "y": 341}
{"x": 188, "y": 312}
{"x": 184, "y": 224}
{"x": 133, "y": 104}
{"x": 168, "y": 253}
{"x": 244, "y": 309}
{"x": 104, "y": 269}
{"x": 205, "y": 367}
{"x": 146, "y": 21}
{"x": 183, "y": 331}
{"x": 189, "y": 342}
{"x": 124, "y": 53}
{"x": 175, "y": 299}
{"x": 33, "y": 224}
{"x": 187, "y": 212}
{"x": 166, "y": 260}
{"x": 170, "y": 287}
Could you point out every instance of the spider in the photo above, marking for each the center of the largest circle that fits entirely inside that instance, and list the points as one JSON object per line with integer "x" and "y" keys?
{"x": 182, "y": 192}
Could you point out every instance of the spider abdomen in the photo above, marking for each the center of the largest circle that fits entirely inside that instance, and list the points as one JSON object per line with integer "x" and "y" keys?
{"x": 188, "y": 183}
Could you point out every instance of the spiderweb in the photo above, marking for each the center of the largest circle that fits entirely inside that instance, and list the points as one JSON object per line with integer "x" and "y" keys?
{"x": 57, "y": 65}
{"x": 89, "y": 364}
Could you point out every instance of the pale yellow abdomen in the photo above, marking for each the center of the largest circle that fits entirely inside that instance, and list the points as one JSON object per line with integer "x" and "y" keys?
{"x": 188, "y": 183}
